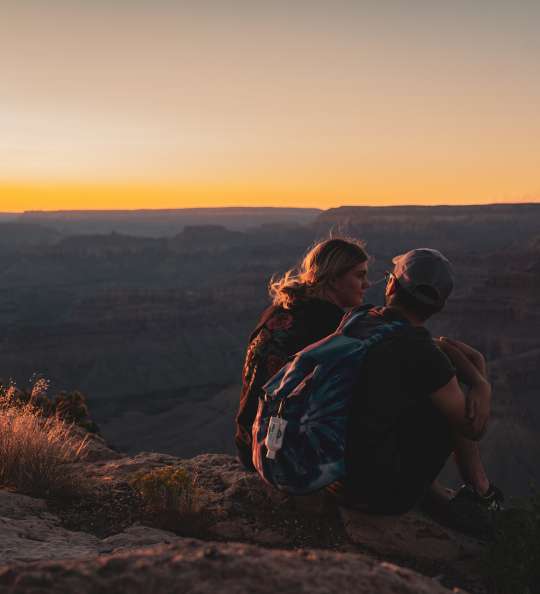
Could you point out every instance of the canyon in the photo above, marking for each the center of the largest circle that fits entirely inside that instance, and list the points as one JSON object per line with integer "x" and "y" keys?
{"x": 152, "y": 328}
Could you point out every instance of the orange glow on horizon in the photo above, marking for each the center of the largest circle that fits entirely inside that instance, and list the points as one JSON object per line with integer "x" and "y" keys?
{"x": 19, "y": 197}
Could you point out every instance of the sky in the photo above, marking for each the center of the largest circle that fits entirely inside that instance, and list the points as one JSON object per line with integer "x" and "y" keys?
{"x": 171, "y": 104}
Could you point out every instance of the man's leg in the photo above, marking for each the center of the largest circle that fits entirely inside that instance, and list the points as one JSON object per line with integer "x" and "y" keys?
{"x": 469, "y": 463}
{"x": 438, "y": 494}
{"x": 424, "y": 443}
{"x": 476, "y": 505}
{"x": 471, "y": 469}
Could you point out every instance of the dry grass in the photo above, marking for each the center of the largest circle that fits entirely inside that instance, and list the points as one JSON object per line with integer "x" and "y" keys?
{"x": 37, "y": 453}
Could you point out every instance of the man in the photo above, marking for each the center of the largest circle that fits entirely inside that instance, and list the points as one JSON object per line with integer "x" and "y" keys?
{"x": 410, "y": 413}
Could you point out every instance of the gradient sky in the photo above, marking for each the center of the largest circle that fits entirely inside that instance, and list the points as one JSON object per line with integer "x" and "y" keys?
{"x": 135, "y": 103}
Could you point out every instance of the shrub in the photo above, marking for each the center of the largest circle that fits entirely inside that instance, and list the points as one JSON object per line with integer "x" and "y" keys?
{"x": 37, "y": 452}
{"x": 68, "y": 406}
{"x": 171, "y": 499}
{"x": 512, "y": 562}
{"x": 71, "y": 407}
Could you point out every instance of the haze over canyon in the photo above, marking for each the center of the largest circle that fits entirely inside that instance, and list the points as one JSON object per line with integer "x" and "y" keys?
{"x": 148, "y": 312}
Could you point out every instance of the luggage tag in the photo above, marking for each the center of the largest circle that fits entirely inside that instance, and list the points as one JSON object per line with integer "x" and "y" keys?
{"x": 274, "y": 436}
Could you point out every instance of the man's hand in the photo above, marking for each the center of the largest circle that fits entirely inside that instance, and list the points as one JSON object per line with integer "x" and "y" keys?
{"x": 468, "y": 372}
{"x": 474, "y": 356}
{"x": 473, "y": 374}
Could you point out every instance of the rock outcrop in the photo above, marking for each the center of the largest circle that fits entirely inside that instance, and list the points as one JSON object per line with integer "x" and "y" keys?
{"x": 255, "y": 539}
{"x": 195, "y": 566}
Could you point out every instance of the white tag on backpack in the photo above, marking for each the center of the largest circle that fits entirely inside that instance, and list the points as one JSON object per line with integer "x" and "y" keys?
{"x": 274, "y": 437}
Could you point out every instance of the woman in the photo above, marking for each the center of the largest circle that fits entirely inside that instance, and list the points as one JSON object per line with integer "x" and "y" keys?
{"x": 306, "y": 306}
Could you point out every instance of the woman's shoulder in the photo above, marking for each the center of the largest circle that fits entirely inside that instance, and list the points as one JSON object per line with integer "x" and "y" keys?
{"x": 319, "y": 310}
{"x": 281, "y": 318}
{"x": 309, "y": 316}
{"x": 274, "y": 317}
{"x": 313, "y": 319}
{"x": 301, "y": 308}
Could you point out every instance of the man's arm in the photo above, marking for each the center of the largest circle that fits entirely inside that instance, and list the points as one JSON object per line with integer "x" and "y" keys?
{"x": 474, "y": 356}
{"x": 467, "y": 414}
{"x": 471, "y": 370}
{"x": 451, "y": 401}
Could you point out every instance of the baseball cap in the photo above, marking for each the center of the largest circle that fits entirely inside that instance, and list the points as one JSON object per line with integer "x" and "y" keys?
{"x": 426, "y": 274}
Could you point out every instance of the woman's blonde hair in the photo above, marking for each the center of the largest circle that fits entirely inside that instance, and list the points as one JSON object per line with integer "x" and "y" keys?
{"x": 324, "y": 262}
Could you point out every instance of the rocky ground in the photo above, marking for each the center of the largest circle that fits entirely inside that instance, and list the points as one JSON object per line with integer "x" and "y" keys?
{"x": 250, "y": 539}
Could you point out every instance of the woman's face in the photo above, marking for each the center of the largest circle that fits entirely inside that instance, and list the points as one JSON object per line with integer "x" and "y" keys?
{"x": 347, "y": 290}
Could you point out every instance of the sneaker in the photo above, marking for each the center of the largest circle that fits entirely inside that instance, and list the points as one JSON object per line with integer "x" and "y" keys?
{"x": 476, "y": 514}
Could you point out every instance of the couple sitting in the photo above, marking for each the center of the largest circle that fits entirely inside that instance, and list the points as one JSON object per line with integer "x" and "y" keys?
{"x": 411, "y": 412}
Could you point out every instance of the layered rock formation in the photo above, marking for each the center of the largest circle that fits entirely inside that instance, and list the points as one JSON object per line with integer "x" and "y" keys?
{"x": 254, "y": 540}
{"x": 153, "y": 330}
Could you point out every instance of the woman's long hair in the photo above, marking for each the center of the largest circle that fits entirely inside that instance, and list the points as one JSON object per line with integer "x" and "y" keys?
{"x": 324, "y": 262}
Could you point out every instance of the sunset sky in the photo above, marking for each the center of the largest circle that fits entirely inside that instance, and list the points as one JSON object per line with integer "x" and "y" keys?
{"x": 164, "y": 104}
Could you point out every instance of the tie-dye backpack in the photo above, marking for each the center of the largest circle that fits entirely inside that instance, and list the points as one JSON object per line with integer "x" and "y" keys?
{"x": 299, "y": 431}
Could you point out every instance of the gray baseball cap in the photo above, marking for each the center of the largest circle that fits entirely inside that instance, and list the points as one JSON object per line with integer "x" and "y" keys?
{"x": 426, "y": 274}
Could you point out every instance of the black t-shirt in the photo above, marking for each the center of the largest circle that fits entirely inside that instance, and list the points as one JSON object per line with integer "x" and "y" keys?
{"x": 397, "y": 377}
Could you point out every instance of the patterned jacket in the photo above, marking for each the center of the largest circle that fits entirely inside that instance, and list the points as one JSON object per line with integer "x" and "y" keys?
{"x": 279, "y": 334}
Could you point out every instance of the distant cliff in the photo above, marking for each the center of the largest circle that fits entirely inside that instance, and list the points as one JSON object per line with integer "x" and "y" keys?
{"x": 153, "y": 330}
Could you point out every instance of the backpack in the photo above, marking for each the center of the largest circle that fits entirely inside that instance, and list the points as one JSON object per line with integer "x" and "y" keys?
{"x": 299, "y": 432}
